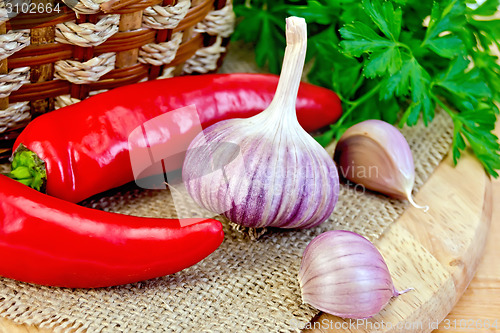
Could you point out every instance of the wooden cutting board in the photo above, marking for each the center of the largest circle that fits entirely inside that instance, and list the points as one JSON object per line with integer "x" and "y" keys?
{"x": 437, "y": 252}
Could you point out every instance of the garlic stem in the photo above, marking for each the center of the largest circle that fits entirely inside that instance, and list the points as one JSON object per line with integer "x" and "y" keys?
{"x": 291, "y": 71}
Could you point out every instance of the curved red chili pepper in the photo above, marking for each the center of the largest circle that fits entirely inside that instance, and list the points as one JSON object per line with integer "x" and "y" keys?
{"x": 49, "y": 241}
{"x": 85, "y": 147}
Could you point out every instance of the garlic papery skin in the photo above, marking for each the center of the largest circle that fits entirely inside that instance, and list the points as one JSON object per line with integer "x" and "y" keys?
{"x": 375, "y": 154}
{"x": 343, "y": 274}
{"x": 281, "y": 177}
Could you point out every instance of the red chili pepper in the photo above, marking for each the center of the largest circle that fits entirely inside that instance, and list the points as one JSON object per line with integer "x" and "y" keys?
{"x": 49, "y": 241}
{"x": 85, "y": 146}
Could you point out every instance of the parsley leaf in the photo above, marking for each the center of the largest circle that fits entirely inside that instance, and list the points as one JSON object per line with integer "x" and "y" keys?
{"x": 267, "y": 28}
{"x": 421, "y": 101}
{"x": 387, "y": 18}
{"x": 316, "y": 12}
{"x": 398, "y": 84}
{"x": 359, "y": 38}
{"x": 466, "y": 84}
{"x": 488, "y": 8}
{"x": 445, "y": 18}
{"x": 333, "y": 67}
{"x": 476, "y": 128}
{"x": 384, "y": 54}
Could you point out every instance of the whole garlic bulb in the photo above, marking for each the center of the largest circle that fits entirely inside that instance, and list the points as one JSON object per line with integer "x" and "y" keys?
{"x": 279, "y": 176}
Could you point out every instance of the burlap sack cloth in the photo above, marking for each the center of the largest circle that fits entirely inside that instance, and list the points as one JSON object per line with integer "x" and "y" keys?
{"x": 246, "y": 285}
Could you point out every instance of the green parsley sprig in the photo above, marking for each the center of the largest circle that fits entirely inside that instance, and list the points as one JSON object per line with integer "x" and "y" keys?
{"x": 394, "y": 60}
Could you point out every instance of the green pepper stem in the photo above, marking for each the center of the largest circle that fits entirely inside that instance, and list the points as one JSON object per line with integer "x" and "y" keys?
{"x": 28, "y": 168}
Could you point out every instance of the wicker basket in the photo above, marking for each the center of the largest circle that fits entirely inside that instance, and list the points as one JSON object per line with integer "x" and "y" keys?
{"x": 51, "y": 60}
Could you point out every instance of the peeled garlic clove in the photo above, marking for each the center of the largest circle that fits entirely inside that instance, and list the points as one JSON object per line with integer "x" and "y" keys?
{"x": 375, "y": 154}
{"x": 343, "y": 274}
{"x": 281, "y": 177}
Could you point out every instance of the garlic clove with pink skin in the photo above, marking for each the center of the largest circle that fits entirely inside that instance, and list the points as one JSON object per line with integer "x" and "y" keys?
{"x": 375, "y": 154}
{"x": 281, "y": 177}
{"x": 343, "y": 274}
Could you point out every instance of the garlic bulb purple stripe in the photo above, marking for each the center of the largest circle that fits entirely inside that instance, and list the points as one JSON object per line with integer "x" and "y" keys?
{"x": 343, "y": 274}
{"x": 375, "y": 154}
{"x": 281, "y": 177}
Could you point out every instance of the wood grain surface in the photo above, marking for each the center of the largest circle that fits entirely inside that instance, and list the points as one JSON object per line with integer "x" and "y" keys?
{"x": 480, "y": 303}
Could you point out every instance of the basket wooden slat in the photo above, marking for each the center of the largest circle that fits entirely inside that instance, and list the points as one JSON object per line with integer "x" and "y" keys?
{"x": 55, "y": 60}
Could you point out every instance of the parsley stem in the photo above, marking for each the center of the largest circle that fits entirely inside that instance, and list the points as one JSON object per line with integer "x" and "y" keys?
{"x": 354, "y": 104}
{"x": 456, "y": 120}
{"x": 442, "y": 105}
{"x": 406, "y": 47}
{"x": 359, "y": 82}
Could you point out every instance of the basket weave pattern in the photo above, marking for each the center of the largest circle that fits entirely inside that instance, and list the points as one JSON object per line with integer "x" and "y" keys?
{"x": 50, "y": 61}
